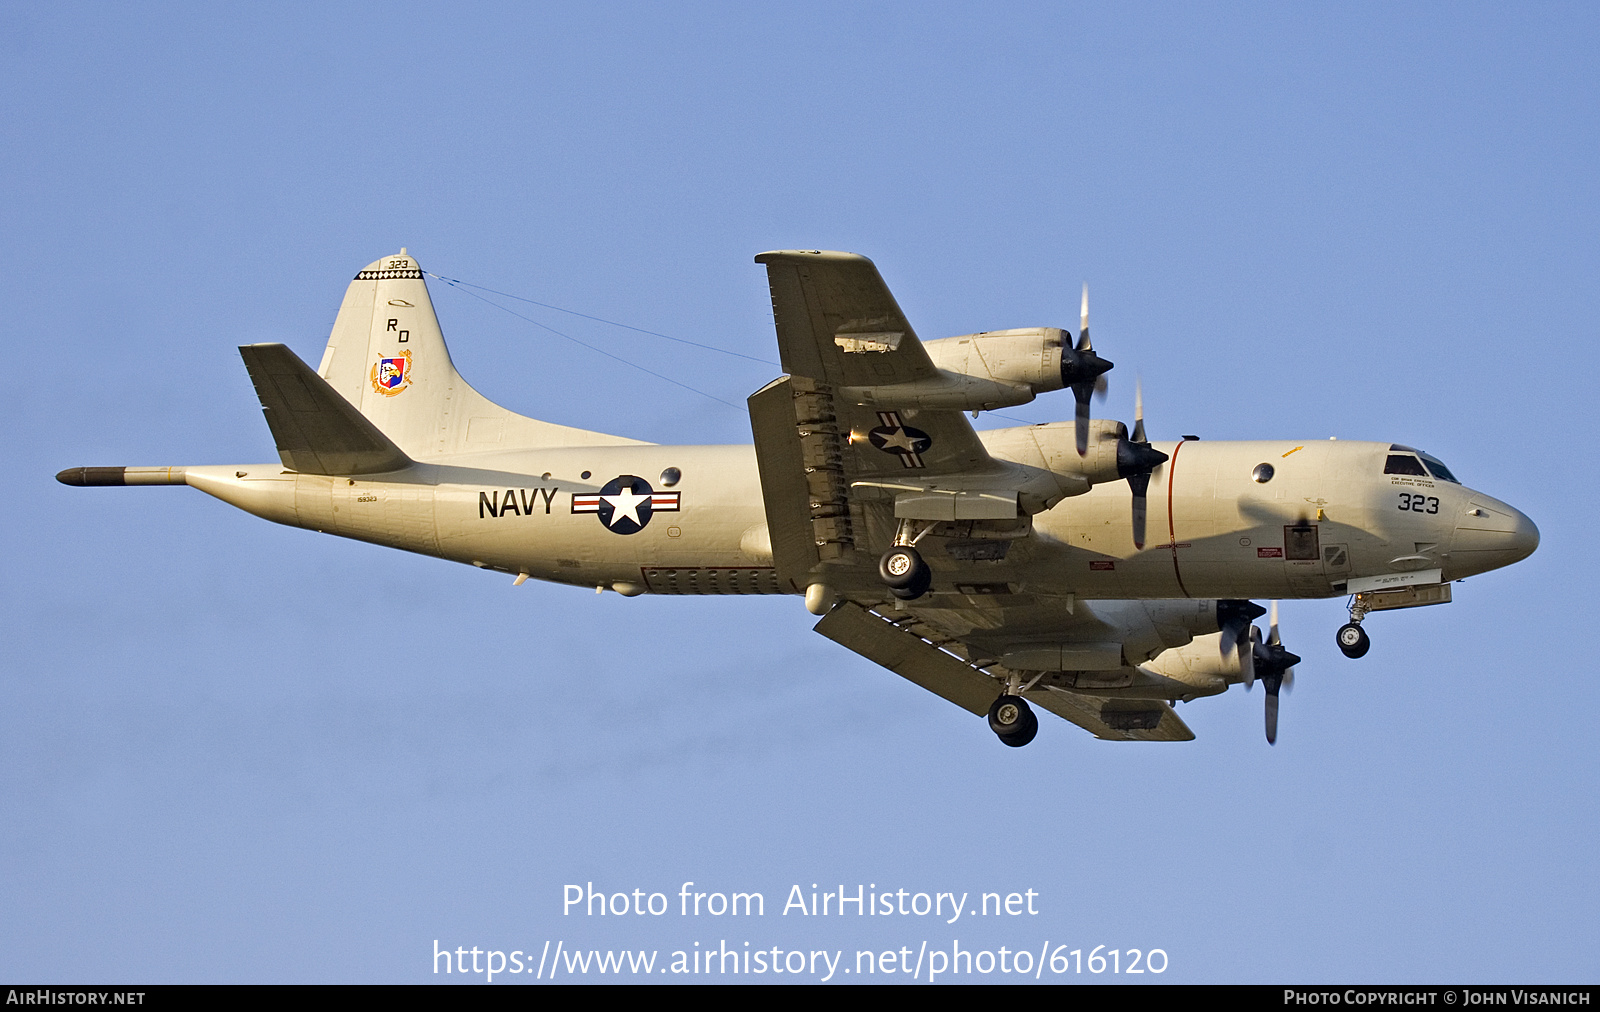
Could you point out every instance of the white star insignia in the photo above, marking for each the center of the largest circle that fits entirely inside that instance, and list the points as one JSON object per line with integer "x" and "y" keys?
{"x": 900, "y": 439}
{"x": 626, "y": 504}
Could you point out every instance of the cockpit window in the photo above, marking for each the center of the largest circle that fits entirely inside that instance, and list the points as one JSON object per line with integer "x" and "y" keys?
{"x": 1404, "y": 463}
{"x": 1438, "y": 470}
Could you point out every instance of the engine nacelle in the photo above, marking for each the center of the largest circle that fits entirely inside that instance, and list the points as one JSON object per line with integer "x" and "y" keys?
{"x": 1057, "y": 446}
{"x": 1028, "y": 357}
{"x": 978, "y": 372}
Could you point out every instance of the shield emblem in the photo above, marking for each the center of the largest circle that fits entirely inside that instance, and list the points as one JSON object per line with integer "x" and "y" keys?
{"x": 392, "y": 375}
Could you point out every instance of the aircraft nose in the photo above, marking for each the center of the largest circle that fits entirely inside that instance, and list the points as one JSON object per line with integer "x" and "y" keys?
{"x": 1491, "y": 534}
{"x": 1525, "y": 538}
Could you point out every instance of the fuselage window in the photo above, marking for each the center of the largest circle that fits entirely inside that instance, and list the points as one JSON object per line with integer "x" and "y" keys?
{"x": 1263, "y": 473}
{"x": 1404, "y": 463}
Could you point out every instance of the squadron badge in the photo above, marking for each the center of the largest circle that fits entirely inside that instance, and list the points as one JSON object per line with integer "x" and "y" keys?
{"x": 392, "y": 375}
{"x": 626, "y": 503}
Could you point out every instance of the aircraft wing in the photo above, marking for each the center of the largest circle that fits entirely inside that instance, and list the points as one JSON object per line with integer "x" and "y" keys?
{"x": 1115, "y": 719}
{"x": 840, "y": 328}
{"x": 839, "y": 472}
{"x": 838, "y": 323}
{"x": 944, "y": 669}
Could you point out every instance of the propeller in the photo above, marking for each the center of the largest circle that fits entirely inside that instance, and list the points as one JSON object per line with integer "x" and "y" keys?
{"x": 1135, "y": 460}
{"x": 1234, "y": 618}
{"x": 1084, "y": 372}
{"x": 1275, "y": 666}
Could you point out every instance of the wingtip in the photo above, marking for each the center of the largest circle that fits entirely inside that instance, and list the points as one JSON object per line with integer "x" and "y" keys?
{"x": 793, "y": 256}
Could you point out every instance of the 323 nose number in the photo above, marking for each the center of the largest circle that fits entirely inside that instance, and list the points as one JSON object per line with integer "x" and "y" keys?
{"x": 1410, "y": 503}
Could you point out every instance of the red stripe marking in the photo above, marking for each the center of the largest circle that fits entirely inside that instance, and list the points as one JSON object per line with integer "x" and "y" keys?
{"x": 1172, "y": 533}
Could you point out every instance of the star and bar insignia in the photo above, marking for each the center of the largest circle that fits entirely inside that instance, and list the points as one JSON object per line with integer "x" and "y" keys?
{"x": 893, "y": 436}
{"x": 626, "y": 503}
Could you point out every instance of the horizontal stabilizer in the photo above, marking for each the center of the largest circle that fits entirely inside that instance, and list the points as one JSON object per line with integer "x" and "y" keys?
{"x": 316, "y": 429}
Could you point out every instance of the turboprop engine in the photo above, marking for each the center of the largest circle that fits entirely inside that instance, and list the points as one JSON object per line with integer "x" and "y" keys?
{"x": 980, "y": 372}
{"x": 998, "y": 369}
{"x": 1028, "y": 358}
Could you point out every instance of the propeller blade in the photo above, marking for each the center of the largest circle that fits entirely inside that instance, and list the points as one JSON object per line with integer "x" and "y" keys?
{"x": 1247, "y": 658}
{"x": 1288, "y": 680}
{"x": 1141, "y": 485}
{"x": 1082, "y": 392}
{"x": 1272, "y": 717}
{"x": 1083, "y": 322}
{"x": 1233, "y": 619}
{"x": 1138, "y": 412}
{"x": 1229, "y": 641}
{"x": 1272, "y": 632}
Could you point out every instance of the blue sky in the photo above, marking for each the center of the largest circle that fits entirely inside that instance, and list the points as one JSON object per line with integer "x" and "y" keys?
{"x": 231, "y": 751}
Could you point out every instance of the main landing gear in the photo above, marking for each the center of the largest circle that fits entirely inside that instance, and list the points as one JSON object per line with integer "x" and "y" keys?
{"x": 906, "y": 575}
{"x": 1353, "y": 641}
{"x": 1013, "y": 720}
{"x": 902, "y": 569}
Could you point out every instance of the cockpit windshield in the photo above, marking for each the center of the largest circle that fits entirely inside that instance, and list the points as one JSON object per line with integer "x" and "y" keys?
{"x": 1438, "y": 470}
{"x": 1404, "y": 463}
{"x": 1405, "y": 460}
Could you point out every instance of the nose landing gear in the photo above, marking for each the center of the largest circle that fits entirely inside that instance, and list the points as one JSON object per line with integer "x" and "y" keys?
{"x": 1353, "y": 641}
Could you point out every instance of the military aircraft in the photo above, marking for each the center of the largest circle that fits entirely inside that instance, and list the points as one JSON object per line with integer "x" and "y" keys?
{"x": 1074, "y": 566}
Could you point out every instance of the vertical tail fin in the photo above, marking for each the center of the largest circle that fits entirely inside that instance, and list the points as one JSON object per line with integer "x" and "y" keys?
{"x": 387, "y": 357}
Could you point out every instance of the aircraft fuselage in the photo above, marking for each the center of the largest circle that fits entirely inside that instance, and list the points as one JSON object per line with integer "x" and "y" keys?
{"x": 1328, "y": 514}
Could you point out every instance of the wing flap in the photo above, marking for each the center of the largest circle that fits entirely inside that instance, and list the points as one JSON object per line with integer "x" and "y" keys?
{"x": 1115, "y": 719}
{"x": 909, "y": 656}
{"x": 918, "y": 660}
{"x": 780, "y": 457}
{"x": 316, "y": 429}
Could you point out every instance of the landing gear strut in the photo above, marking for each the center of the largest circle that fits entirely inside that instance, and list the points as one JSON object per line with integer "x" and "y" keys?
{"x": 1013, "y": 720}
{"x": 1353, "y": 641}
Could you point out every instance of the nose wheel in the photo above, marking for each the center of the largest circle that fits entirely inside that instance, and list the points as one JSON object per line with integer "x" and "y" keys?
{"x": 1353, "y": 640}
{"x": 1013, "y": 720}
